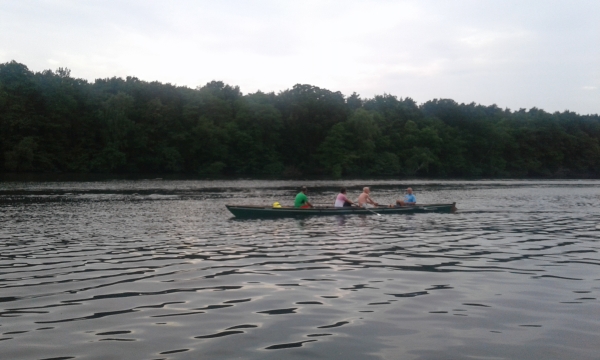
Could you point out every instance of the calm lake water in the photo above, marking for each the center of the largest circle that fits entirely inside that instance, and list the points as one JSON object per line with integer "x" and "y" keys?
{"x": 157, "y": 269}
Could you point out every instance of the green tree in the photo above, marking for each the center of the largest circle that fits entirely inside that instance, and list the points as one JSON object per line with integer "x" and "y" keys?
{"x": 51, "y": 121}
{"x": 335, "y": 152}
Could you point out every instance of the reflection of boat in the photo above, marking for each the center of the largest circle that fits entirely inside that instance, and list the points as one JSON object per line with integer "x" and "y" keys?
{"x": 257, "y": 211}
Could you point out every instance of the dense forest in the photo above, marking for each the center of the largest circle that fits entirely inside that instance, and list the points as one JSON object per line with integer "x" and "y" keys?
{"x": 52, "y": 122}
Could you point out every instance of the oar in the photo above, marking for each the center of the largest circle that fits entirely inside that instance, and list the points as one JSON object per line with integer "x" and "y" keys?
{"x": 378, "y": 214}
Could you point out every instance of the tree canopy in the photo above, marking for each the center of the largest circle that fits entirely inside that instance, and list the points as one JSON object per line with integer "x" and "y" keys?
{"x": 52, "y": 122}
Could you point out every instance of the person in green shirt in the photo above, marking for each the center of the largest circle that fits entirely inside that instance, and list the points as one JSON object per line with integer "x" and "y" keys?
{"x": 302, "y": 200}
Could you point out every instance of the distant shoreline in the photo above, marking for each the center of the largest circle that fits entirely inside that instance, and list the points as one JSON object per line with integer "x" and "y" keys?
{"x": 53, "y": 123}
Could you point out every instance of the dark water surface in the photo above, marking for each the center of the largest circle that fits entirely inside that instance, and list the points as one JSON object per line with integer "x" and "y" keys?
{"x": 161, "y": 270}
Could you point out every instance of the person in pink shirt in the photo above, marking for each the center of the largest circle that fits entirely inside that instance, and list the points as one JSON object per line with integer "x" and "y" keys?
{"x": 342, "y": 200}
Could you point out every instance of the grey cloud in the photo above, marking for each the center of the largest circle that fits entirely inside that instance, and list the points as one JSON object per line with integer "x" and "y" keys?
{"x": 516, "y": 54}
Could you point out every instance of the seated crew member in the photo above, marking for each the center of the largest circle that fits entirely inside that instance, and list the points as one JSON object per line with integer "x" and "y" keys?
{"x": 302, "y": 200}
{"x": 409, "y": 199}
{"x": 342, "y": 200}
{"x": 364, "y": 198}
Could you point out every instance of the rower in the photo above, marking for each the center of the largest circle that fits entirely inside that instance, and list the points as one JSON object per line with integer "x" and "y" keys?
{"x": 364, "y": 198}
{"x": 342, "y": 200}
{"x": 409, "y": 199}
{"x": 302, "y": 200}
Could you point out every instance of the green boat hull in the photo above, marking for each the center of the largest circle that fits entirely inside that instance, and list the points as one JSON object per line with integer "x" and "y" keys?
{"x": 251, "y": 211}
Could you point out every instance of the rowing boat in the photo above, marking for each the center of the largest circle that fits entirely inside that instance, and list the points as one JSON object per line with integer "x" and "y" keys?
{"x": 257, "y": 211}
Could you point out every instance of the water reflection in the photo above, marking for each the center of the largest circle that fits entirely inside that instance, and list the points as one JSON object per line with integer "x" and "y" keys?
{"x": 161, "y": 270}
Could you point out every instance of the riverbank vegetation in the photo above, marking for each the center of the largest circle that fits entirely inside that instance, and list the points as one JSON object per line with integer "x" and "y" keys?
{"x": 52, "y": 122}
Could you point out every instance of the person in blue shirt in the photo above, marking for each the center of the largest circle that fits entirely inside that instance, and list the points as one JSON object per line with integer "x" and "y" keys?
{"x": 409, "y": 199}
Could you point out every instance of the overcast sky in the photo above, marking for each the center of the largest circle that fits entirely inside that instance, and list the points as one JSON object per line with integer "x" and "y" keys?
{"x": 515, "y": 54}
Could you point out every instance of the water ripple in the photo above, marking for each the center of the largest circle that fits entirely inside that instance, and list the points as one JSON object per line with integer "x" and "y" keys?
{"x": 161, "y": 268}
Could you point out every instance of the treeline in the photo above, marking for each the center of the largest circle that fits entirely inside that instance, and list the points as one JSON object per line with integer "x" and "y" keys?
{"x": 52, "y": 122}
